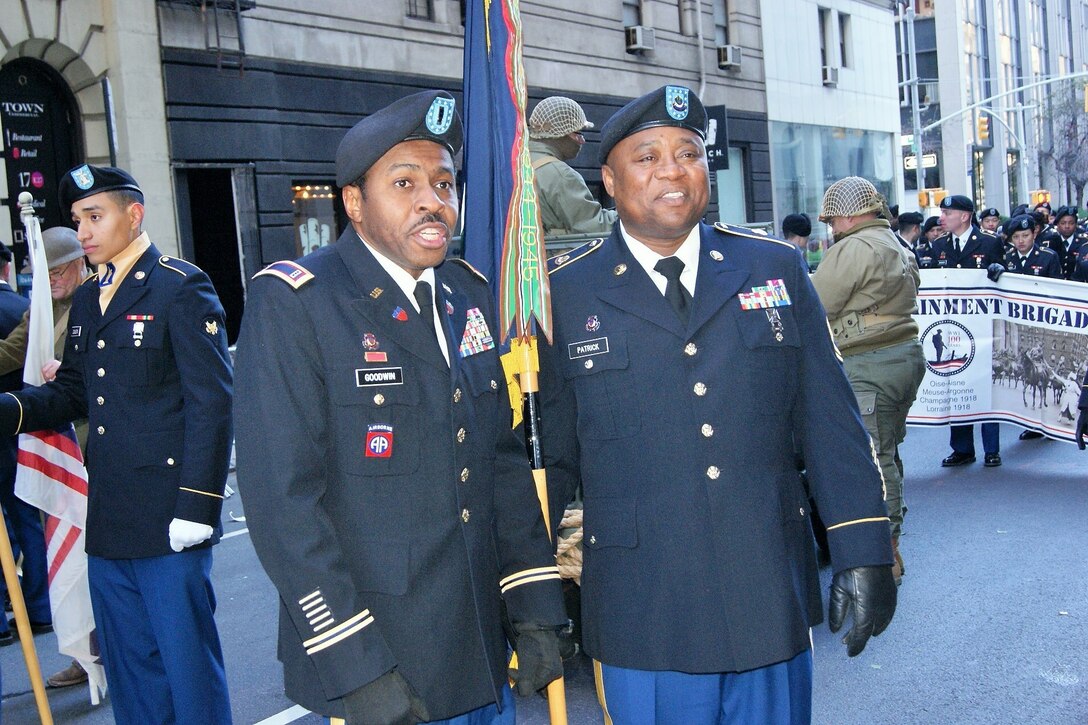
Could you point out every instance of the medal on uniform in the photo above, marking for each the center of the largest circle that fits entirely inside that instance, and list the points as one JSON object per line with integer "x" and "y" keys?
{"x": 776, "y": 323}
{"x": 477, "y": 337}
{"x": 137, "y": 333}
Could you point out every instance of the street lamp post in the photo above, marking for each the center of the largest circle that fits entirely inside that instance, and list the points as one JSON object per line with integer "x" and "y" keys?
{"x": 906, "y": 12}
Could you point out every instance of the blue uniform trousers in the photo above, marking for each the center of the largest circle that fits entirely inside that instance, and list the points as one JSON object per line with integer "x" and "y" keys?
{"x": 779, "y": 694}
{"x": 962, "y": 438}
{"x": 158, "y": 638}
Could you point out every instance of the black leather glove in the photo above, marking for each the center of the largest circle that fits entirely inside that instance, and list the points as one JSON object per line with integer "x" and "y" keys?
{"x": 994, "y": 271}
{"x": 538, "y": 659}
{"x": 388, "y": 700}
{"x": 1082, "y": 427}
{"x": 867, "y": 592}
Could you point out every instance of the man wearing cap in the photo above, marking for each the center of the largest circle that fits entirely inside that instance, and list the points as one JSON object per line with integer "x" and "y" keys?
{"x": 989, "y": 220}
{"x": 923, "y": 252}
{"x": 555, "y": 137}
{"x": 868, "y": 284}
{"x": 910, "y": 229}
{"x": 1065, "y": 239}
{"x": 391, "y": 504}
{"x": 966, "y": 246}
{"x": 146, "y": 361}
{"x": 796, "y": 229}
{"x": 676, "y": 346}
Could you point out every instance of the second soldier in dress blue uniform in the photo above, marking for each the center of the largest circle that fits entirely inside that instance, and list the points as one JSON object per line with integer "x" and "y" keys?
{"x": 685, "y": 359}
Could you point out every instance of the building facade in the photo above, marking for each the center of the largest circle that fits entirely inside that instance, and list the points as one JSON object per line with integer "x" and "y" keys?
{"x": 229, "y": 112}
{"x": 993, "y": 116}
{"x": 832, "y": 101}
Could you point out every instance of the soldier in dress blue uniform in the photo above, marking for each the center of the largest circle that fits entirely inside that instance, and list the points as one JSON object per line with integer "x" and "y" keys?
{"x": 146, "y": 361}
{"x": 923, "y": 252}
{"x": 387, "y": 497}
{"x": 1065, "y": 239}
{"x": 965, "y": 246}
{"x": 685, "y": 360}
{"x": 1026, "y": 257}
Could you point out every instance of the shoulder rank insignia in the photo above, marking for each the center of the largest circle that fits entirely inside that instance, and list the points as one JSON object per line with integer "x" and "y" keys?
{"x": 562, "y": 260}
{"x": 93, "y": 277}
{"x": 470, "y": 268}
{"x": 174, "y": 264}
{"x": 290, "y": 272}
{"x": 750, "y": 233}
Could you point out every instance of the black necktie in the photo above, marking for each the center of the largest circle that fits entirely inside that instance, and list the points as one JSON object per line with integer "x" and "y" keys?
{"x": 677, "y": 295}
{"x": 425, "y": 300}
{"x": 956, "y": 244}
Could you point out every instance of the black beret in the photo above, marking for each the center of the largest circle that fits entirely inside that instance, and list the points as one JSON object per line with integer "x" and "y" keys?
{"x": 1020, "y": 223}
{"x": 5, "y": 253}
{"x": 930, "y": 223}
{"x": 957, "y": 201}
{"x": 1020, "y": 209}
{"x": 1065, "y": 211}
{"x": 429, "y": 115}
{"x": 86, "y": 180}
{"x": 798, "y": 224}
{"x": 911, "y": 218}
{"x": 992, "y": 211}
{"x": 1043, "y": 205}
{"x": 666, "y": 106}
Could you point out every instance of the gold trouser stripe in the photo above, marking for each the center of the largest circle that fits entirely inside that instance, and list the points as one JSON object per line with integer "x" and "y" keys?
{"x": 526, "y": 572}
{"x": 858, "y": 521}
{"x": 530, "y": 580}
{"x": 598, "y": 681}
{"x": 202, "y": 493}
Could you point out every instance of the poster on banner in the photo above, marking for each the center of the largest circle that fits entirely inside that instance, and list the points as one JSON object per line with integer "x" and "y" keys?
{"x": 1012, "y": 351}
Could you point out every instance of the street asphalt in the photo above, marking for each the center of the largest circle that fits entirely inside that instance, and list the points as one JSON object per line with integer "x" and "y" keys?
{"x": 992, "y": 623}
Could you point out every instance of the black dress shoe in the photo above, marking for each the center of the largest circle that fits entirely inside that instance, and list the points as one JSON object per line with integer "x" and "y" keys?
{"x": 6, "y": 638}
{"x": 35, "y": 627}
{"x": 993, "y": 460}
{"x": 1030, "y": 435}
{"x": 958, "y": 459}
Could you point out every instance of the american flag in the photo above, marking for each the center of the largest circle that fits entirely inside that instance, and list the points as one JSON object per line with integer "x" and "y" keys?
{"x": 51, "y": 476}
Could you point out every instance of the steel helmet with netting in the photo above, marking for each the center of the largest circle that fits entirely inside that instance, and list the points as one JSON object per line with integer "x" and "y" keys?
{"x": 852, "y": 196}
{"x": 555, "y": 117}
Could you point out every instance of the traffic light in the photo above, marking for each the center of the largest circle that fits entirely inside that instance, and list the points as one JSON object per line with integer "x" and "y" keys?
{"x": 1039, "y": 196}
{"x": 983, "y": 127}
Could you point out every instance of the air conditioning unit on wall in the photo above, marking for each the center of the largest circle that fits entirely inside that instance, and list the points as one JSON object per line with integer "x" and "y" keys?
{"x": 729, "y": 56}
{"x": 639, "y": 38}
{"x": 831, "y": 75}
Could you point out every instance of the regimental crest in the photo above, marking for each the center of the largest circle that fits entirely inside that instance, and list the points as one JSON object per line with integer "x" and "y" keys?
{"x": 593, "y": 323}
{"x": 211, "y": 327}
{"x": 676, "y": 102}
{"x": 440, "y": 115}
{"x": 83, "y": 177}
{"x": 369, "y": 341}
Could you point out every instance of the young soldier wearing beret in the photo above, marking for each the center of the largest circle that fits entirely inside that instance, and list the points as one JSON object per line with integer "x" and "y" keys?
{"x": 387, "y": 497}
{"x": 680, "y": 349}
{"x": 146, "y": 361}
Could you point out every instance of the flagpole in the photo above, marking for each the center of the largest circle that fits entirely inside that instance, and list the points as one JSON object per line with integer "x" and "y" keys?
{"x": 7, "y": 559}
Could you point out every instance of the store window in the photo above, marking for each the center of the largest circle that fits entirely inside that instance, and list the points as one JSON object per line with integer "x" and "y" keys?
{"x": 807, "y": 159}
{"x": 313, "y": 206}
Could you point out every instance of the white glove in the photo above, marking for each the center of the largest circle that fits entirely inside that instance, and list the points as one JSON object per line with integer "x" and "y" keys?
{"x": 184, "y": 534}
